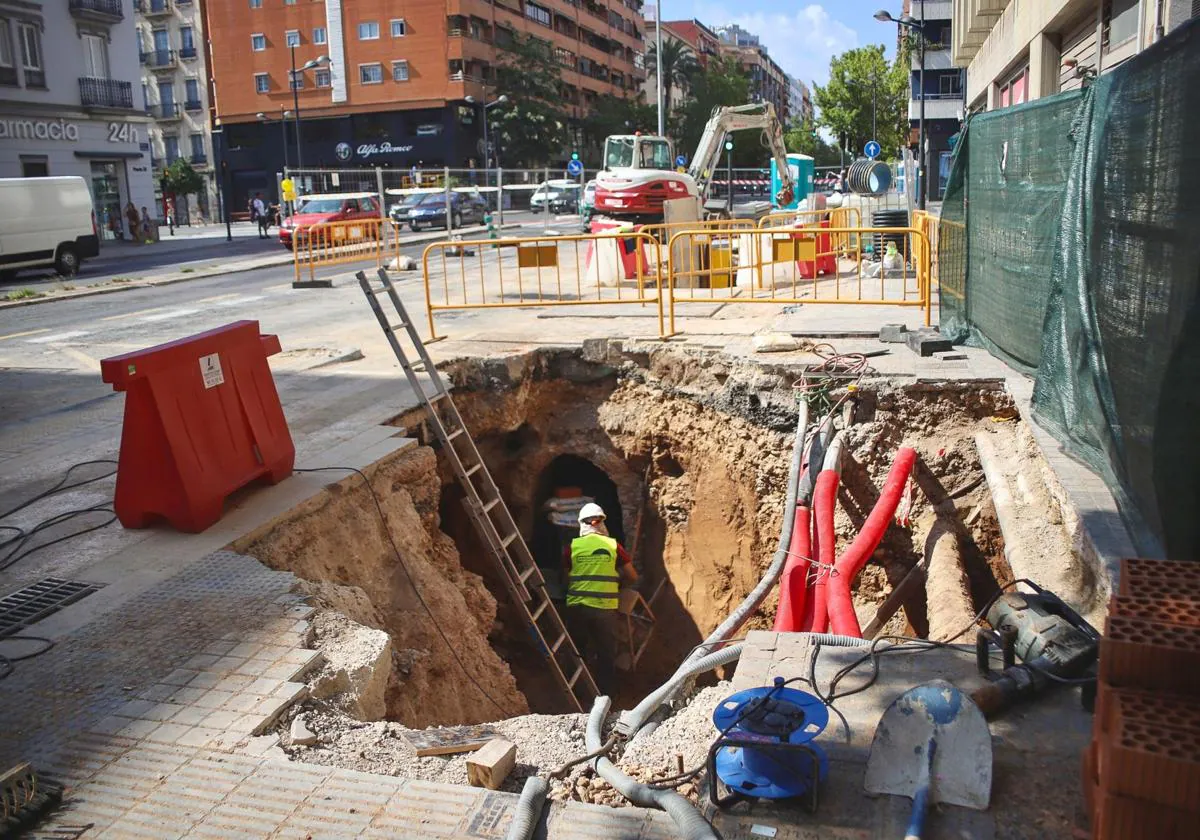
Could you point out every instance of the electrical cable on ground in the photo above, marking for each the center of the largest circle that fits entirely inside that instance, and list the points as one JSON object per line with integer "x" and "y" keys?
{"x": 7, "y": 660}
{"x": 412, "y": 582}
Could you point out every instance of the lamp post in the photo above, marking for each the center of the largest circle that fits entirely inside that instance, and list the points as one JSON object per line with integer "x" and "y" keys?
{"x": 319, "y": 61}
{"x": 662, "y": 126}
{"x": 918, "y": 27}
{"x": 487, "y": 144}
{"x": 283, "y": 117}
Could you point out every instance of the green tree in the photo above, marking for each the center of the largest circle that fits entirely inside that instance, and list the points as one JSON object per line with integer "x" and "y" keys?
{"x": 679, "y": 68}
{"x": 722, "y": 82}
{"x": 845, "y": 102}
{"x": 615, "y": 115}
{"x": 804, "y": 139}
{"x": 180, "y": 179}
{"x": 532, "y": 127}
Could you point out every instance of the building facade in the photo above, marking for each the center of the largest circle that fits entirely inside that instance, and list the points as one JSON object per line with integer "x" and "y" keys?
{"x": 394, "y": 89}
{"x": 173, "y": 56}
{"x": 800, "y": 106}
{"x": 71, "y": 101}
{"x": 942, "y": 92}
{"x": 700, "y": 41}
{"x": 1015, "y": 51}
{"x": 768, "y": 82}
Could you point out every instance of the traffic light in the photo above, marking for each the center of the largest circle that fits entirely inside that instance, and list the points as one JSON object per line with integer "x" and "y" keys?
{"x": 574, "y": 155}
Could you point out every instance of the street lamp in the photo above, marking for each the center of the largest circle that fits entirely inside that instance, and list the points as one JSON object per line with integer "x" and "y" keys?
{"x": 918, "y": 27}
{"x": 662, "y": 118}
{"x": 283, "y": 117}
{"x": 320, "y": 61}
{"x": 487, "y": 146}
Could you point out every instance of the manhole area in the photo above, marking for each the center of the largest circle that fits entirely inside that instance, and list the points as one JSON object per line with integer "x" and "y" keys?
{"x": 31, "y": 604}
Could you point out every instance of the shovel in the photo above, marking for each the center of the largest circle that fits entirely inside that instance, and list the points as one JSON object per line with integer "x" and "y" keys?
{"x": 933, "y": 745}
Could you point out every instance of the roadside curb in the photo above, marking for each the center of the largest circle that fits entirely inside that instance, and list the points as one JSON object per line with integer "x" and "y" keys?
{"x": 268, "y": 262}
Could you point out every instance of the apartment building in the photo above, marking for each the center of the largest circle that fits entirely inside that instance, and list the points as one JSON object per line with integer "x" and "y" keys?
{"x": 1015, "y": 51}
{"x": 70, "y": 102}
{"x": 699, "y": 40}
{"x": 768, "y": 82}
{"x": 942, "y": 93}
{"x": 173, "y": 57}
{"x": 390, "y": 78}
{"x": 800, "y": 106}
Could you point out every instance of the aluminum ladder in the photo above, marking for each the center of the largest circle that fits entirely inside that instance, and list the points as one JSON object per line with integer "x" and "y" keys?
{"x": 489, "y": 514}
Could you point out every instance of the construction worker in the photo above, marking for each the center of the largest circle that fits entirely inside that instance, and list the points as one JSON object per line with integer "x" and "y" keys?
{"x": 596, "y": 565}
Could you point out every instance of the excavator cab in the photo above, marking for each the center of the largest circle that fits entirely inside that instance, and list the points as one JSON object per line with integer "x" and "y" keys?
{"x": 637, "y": 151}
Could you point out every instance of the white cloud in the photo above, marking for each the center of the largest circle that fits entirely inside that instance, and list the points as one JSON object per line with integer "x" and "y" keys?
{"x": 802, "y": 42}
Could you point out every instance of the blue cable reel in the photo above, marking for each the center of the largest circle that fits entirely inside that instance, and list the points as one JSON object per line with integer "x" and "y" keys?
{"x": 765, "y": 749}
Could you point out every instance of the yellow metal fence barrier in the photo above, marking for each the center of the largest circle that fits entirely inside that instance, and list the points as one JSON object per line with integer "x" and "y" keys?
{"x": 585, "y": 270}
{"x": 333, "y": 243}
{"x": 798, "y": 265}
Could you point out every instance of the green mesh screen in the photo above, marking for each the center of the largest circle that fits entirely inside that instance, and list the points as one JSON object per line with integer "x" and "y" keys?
{"x": 1070, "y": 245}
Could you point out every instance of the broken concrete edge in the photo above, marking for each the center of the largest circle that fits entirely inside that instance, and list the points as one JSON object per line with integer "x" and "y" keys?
{"x": 351, "y": 354}
{"x": 270, "y": 262}
{"x": 323, "y": 283}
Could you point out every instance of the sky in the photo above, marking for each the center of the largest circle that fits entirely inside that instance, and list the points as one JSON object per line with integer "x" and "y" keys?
{"x": 801, "y": 35}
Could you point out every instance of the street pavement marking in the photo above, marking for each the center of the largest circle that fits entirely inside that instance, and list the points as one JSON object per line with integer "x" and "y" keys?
{"x": 219, "y": 297}
{"x": 23, "y": 334}
{"x": 239, "y": 300}
{"x": 83, "y": 358}
{"x": 277, "y": 288}
{"x": 46, "y": 339}
{"x": 134, "y": 314}
{"x": 174, "y": 313}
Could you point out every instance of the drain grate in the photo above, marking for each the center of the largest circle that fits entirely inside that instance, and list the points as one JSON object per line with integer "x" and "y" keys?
{"x": 36, "y": 601}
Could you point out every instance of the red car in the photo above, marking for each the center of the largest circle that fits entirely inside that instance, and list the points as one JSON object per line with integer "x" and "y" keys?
{"x": 332, "y": 207}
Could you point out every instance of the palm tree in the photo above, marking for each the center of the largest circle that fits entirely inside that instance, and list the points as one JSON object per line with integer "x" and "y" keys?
{"x": 679, "y": 65}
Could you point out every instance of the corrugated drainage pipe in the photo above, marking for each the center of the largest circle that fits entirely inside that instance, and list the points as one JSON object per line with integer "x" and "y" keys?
{"x": 635, "y": 718}
{"x": 529, "y": 809}
{"x": 691, "y": 825}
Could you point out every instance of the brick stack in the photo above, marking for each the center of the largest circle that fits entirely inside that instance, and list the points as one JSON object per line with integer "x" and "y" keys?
{"x": 1142, "y": 769}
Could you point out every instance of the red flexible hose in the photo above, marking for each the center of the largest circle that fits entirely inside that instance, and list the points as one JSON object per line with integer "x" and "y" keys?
{"x": 824, "y": 504}
{"x": 841, "y": 607}
{"x": 793, "y": 588}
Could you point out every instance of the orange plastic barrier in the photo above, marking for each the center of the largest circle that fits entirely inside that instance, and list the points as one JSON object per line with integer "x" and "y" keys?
{"x": 202, "y": 418}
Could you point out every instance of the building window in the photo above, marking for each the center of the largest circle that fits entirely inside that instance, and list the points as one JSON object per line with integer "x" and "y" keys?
{"x": 370, "y": 74}
{"x": 950, "y": 85}
{"x": 1120, "y": 21}
{"x": 197, "y": 141}
{"x": 172, "y": 147}
{"x": 6, "y": 49}
{"x": 31, "y": 54}
{"x": 368, "y": 31}
{"x": 258, "y": 43}
{"x": 323, "y": 78}
{"x": 537, "y": 13}
{"x": 298, "y": 81}
{"x": 187, "y": 41}
{"x": 292, "y": 37}
{"x": 255, "y": 4}
{"x": 34, "y": 167}
{"x": 191, "y": 89}
{"x": 289, "y": 2}
{"x": 262, "y": 83}
{"x": 319, "y": 35}
{"x": 399, "y": 28}
{"x": 95, "y": 56}
{"x": 400, "y": 70}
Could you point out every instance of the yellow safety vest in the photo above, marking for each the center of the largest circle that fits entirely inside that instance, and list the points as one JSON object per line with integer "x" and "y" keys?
{"x": 594, "y": 581}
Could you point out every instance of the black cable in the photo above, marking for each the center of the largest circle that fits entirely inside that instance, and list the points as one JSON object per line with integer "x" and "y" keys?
{"x": 60, "y": 488}
{"x": 403, "y": 567}
{"x": 24, "y": 536}
{"x": 6, "y": 661}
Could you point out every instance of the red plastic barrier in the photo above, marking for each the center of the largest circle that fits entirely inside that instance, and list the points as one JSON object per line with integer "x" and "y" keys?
{"x": 824, "y": 503}
{"x": 824, "y": 263}
{"x": 202, "y": 418}
{"x": 793, "y": 588}
{"x": 855, "y": 557}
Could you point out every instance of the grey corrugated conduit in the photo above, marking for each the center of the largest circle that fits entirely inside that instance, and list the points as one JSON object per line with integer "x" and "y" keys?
{"x": 529, "y": 809}
{"x": 662, "y": 695}
{"x": 691, "y": 825}
{"x": 630, "y": 723}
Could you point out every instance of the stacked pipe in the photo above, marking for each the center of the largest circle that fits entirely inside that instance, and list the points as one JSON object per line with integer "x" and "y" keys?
{"x": 1141, "y": 772}
{"x": 815, "y": 596}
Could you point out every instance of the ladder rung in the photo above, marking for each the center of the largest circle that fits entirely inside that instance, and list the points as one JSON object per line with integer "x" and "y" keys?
{"x": 554, "y": 647}
{"x": 536, "y": 614}
{"x": 440, "y": 395}
{"x": 487, "y": 506}
{"x": 455, "y": 433}
{"x": 472, "y": 470}
{"x": 506, "y": 542}
{"x": 393, "y": 327}
{"x": 528, "y": 573}
{"x": 575, "y": 677}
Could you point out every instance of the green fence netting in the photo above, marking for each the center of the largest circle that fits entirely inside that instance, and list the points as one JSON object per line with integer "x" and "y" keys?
{"x": 1078, "y": 258}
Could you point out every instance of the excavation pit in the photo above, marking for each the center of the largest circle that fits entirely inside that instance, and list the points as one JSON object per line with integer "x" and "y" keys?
{"x": 688, "y": 452}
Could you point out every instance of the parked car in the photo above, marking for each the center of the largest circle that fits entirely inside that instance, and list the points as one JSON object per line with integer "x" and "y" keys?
{"x": 465, "y": 207}
{"x": 331, "y": 207}
{"x": 561, "y": 196}
{"x": 46, "y": 222}
{"x": 398, "y": 212}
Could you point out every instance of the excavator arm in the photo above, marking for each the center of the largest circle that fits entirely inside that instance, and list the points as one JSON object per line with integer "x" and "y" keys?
{"x": 728, "y": 119}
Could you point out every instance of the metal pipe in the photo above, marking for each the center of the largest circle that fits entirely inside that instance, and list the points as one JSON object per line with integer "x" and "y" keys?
{"x": 662, "y": 121}
{"x": 296, "y": 109}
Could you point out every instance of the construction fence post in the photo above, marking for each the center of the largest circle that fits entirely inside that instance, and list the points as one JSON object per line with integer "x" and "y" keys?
{"x": 500, "y": 196}
{"x": 546, "y": 199}
{"x": 446, "y": 189}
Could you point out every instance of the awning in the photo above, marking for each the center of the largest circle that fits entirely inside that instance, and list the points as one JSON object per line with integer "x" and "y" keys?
{"x": 109, "y": 154}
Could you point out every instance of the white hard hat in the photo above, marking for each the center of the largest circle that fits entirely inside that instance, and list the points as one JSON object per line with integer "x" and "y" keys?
{"x": 591, "y": 511}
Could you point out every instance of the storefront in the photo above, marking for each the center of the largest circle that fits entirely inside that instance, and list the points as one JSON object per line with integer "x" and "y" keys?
{"x": 111, "y": 153}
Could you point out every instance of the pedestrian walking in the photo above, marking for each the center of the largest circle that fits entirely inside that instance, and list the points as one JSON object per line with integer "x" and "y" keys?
{"x": 131, "y": 216}
{"x": 258, "y": 213}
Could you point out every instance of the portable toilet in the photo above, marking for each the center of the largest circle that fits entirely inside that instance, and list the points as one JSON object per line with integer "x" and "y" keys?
{"x": 801, "y": 167}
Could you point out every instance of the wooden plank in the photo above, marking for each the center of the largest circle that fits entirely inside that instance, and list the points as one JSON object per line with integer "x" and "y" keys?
{"x": 491, "y": 765}
{"x": 450, "y": 739}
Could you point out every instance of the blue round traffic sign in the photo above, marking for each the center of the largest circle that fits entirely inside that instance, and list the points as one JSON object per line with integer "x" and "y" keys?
{"x": 681, "y": 160}
{"x": 872, "y": 149}
{"x": 574, "y": 167}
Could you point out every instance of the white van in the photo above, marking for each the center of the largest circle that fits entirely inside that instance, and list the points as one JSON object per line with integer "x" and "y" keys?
{"x": 46, "y": 222}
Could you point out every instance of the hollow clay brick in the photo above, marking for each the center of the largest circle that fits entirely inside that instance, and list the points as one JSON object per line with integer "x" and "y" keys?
{"x": 1158, "y": 708}
{"x": 1154, "y": 763}
{"x": 1164, "y": 608}
{"x": 1141, "y": 577}
{"x": 1136, "y": 653}
{"x": 1116, "y": 817}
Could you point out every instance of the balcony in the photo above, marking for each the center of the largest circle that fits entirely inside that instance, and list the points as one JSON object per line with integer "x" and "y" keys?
{"x": 937, "y": 57}
{"x": 155, "y": 8}
{"x": 193, "y": 105}
{"x": 199, "y": 159}
{"x": 938, "y": 106}
{"x": 104, "y": 93}
{"x": 103, "y": 11}
{"x": 167, "y": 112}
{"x": 188, "y": 53}
{"x": 160, "y": 59}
